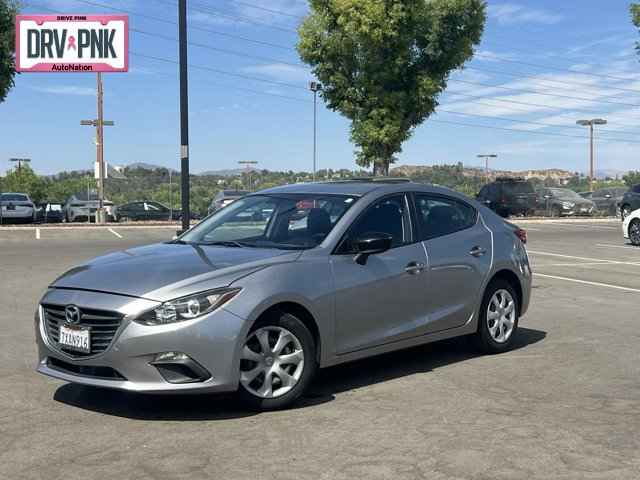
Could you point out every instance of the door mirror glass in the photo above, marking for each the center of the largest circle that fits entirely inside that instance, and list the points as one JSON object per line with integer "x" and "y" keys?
{"x": 371, "y": 244}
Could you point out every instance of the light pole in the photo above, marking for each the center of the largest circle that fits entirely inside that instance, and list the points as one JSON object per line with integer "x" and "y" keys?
{"x": 315, "y": 87}
{"x": 20, "y": 161}
{"x": 248, "y": 164}
{"x": 486, "y": 163}
{"x": 170, "y": 196}
{"x": 590, "y": 124}
{"x": 184, "y": 114}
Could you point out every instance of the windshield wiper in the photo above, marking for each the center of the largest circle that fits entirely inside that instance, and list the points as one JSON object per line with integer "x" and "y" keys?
{"x": 179, "y": 242}
{"x": 223, "y": 243}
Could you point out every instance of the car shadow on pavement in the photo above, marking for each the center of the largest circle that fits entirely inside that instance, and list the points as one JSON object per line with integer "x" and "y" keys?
{"x": 421, "y": 359}
{"x": 328, "y": 383}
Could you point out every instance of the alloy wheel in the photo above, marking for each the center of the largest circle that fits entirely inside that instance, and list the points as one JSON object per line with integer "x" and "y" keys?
{"x": 501, "y": 316}
{"x": 634, "y": 232}
{"x": 272, "y": 362}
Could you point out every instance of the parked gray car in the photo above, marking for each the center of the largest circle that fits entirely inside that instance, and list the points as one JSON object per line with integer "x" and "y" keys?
{"x": 282, "y": 282}
{"x": 562, "y": 202}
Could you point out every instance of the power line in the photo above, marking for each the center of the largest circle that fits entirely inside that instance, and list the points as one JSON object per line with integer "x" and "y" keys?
{"x": 221, "y": 72}
{"x": 265, "y": 9}
{"x": 221, "y": 13}
{"x": 171, "y": 22}
{"x": 221, "y": 50}
{"x": 522, "y": 131}
{"x": 529, "y": 123}
{"x": 199, "y": 67}
{"x": 559, "y": 82}
{"x": 549, "y": 67}
{"x": 520, "y": 90}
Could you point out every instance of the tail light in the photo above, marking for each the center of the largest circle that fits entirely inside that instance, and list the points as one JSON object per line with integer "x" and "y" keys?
{"x": 521, "y": 234}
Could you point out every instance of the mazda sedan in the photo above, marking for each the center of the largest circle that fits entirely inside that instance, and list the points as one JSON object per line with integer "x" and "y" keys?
{"x": 282, "y": 282}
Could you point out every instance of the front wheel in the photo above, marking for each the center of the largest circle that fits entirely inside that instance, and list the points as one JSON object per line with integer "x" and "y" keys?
{"x": 498, "y": 321}
{"x": 278, "y": 362}
{"x": 634, "y": 232}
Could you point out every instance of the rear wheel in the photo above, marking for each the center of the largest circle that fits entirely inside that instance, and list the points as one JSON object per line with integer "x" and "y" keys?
{"x": 634, "y": 232}
{"x": 498, "y": 322}
{"x": 278, "y": 362}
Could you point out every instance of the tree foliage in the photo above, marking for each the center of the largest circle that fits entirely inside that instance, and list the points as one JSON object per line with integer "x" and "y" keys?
{"x": 8, "y": 11}
{"x": 632, "y": 178}
{"x": 635, "y": 18}
{"x": 383, "y": 63}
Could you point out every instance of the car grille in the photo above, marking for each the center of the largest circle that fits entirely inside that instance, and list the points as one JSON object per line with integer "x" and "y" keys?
{"x": 103, "y": 324}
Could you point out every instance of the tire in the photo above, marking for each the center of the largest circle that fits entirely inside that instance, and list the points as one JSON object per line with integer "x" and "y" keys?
{"x": 625, "y": 211}
{"x": 634, "y": 232}
{"x": 297, "y": 342}
{"x": 487, "y": 339}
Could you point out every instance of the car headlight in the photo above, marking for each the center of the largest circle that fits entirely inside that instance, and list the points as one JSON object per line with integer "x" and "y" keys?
{"x": 188, "y": 308}
{"x": 568, "y": 205}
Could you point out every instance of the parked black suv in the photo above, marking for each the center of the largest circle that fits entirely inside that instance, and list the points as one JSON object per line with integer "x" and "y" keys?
{"x": 509, "y": 196}
{"x": 630, "y": 201}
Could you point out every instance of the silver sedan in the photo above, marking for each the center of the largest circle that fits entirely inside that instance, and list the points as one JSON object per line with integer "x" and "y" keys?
{"x": 285, "y": 281}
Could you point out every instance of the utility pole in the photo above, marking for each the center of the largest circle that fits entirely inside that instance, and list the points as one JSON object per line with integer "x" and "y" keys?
{"x": 248, "y": 164}
{"x": 170, "y": 195}
{"x": 486, "y": 163}
{"x": 20, "y": 161}
{"x": 100, "y": 123}
{"x": 184, "y": 114}
{"x": 315, "y": 87}
{"x": 590, "y": 124}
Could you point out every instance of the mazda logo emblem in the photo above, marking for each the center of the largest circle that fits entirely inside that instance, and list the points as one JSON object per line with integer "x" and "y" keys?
{"x": 72, "y": 314}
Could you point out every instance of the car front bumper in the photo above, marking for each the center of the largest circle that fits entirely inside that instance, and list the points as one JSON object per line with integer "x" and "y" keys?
{"x": 213, "y": 342}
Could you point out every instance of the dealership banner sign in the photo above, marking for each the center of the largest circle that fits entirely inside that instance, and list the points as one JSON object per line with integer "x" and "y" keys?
{"x": 72, "y": 43}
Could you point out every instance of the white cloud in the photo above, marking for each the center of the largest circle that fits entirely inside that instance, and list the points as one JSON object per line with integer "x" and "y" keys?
{"x": 511, "y": 14}
{"x": 271, "y": 11}
{"x": 281, "y": 71}
{"x": 67, "y": 90}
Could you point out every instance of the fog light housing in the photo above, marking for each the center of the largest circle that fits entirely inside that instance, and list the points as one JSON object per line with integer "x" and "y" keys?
{"x": 178, "y": 367}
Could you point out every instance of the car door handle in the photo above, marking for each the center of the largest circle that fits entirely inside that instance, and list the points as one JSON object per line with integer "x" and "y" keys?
{"x": 477, "y": 251}
{"x": 414, "y": 268}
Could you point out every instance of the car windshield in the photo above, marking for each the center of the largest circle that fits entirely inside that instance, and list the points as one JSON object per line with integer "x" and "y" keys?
{"x": 564, "y": 193}
{"x": 288, "y": 222}
{"x": 517, "y": 188}
{"x": 13, "y": 197}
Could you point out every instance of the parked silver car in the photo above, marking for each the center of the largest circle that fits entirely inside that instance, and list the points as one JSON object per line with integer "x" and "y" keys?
{"x": 82, "y": 207}
{"x": 16, "y": 207}
{"x": 282, "y": 282}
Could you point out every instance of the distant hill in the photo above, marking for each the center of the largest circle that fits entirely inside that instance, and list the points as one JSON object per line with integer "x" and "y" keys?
{"x": 231, "y": 172}
{"x": 418, "y": 170}
{"x": 148, "y": 166}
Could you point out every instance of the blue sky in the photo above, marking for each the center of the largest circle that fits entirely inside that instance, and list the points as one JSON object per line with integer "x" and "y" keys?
{"x": 580, "y": 52}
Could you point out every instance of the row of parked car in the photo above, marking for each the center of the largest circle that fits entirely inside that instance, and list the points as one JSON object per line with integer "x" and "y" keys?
{"x": 82, "y": 207}
{"x": 509, "y": 196}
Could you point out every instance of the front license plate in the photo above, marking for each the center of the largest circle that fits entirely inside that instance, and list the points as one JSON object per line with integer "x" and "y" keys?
{"x": 75, "y": 338}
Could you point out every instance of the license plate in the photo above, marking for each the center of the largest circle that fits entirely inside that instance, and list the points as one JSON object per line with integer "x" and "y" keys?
{"x": 75, "y": 338}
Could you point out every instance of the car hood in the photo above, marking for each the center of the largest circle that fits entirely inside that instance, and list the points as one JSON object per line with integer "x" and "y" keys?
{"x": 165, "y": 271}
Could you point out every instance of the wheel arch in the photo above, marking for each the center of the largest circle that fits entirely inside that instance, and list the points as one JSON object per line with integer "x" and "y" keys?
{"x": 512, "y": 279}
{"x": 300, "y": 312}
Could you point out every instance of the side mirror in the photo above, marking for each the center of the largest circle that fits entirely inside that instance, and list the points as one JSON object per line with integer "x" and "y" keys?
{"x": 371, "y": 244}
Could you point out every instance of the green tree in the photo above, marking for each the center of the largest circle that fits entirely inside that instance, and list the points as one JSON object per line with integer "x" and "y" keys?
{"x": 383, "y": 63}
{"x": 635, "y": 18}
{"x": 25, "y": 181}
{"x": 8, "y": 11}
{"x": 632, "y": 178}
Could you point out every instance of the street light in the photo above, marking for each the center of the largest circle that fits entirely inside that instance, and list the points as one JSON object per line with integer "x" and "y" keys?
{"x": 248, "y": 164}
{"x": 315, "y": 87}
{"x": 20, "y": 161}
{"x": 486, "y": 163}
{"x": 590, "y": 124}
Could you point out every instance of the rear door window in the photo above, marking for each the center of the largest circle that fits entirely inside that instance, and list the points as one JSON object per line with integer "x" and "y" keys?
{"x": 440, "y": 216}
{"x": 517, "y": 188}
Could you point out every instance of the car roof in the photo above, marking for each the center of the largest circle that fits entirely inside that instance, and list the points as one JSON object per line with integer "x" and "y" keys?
{"x": 356, "y": 188}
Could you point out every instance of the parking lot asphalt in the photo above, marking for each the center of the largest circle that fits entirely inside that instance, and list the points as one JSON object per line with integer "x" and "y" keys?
{"x": 565, "y": 404}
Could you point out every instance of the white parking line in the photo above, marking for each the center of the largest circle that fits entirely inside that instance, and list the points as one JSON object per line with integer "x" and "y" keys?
{"x": 586, "y": 282}
{"x": 115, "y": 233}
{"x": 628, "y": 247}
{"x": 590, "y": 227}
{"x": 569, "y": 264}
{"x": 37, "y": 234}
{"x": 616, "y": 262}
